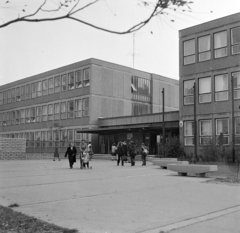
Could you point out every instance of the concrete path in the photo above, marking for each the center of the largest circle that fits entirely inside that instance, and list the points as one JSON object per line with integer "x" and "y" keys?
{"x": 116, "y": 199}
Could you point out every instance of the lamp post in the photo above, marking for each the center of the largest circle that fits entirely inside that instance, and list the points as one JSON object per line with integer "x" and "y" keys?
{"x": 163, "y": 112}
{"x": 233, "y": 122}
{"x": 195, "y": 121}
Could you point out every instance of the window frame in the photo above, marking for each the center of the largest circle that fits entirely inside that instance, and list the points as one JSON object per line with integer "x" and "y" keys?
{"x": 188, "y": 95}
{"x": 57, "y": 84}
{"x": 208, "y": 51}
{"x": 190, "y": 54}
{"x": 51, "y": 86}
{"x": 44, "y": 87}
{"x": 221, "y": 91}
{"x": 205, "y": 136}
{"x": 234, "y": 44}
{"x": 204, "y": 93}
{"x": 86, "y": 78}
{"x": 85, "y": 111}
{"x": 222, "y": 47}
{"x": 78, "y": 79}
{"x": 218, "y": 134}
{"x": 71, "y": 81}
{"x": 236, "y": 89}
{"x": 237, "y": 132}
{"x": 70, "y": 111}
{"x": 64, "y": 87}
{"x": 78, "y": 112}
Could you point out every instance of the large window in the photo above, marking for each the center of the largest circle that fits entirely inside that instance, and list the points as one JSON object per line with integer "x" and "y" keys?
{"x": 86, "y": 107}
{"x": 188, "y": 92}
{"x": 22, "y": 112}
{"x": 205, "y": 95}
{"x": 78, "y": 78}
{"x": 1, "y": 98}
{"x": 57, "y": 84}
{"x": 222, "y": 126}
{"x": 63, "y": 110}
{"x": 220, "y": 44}
{"x": 9, "y": 96}
{"x": 44, "y": 138}
{"x": 63, "y": 138}
{"x": 237, "y": 130}
{"x": 236, "y": 85}
{"x": 4, "y": 123}
{"x": 45, "y": 87}
{"x": 44, "y": 112}
{"x": 50, "y": 86}
{"x": 70, "y": 135}
{"x": 50, "y": 138}
{"x": 38, "y": 138}
{"x": 205, "y": 132}
{"x": 27, "y": 115}
{"x": 189, "y": 52}
{"x": 33, "y": 114}
{"x": 50, "y": 112}
{"x": 34, "y": 90}
{"x": 140, "y": 88}
{"x": 39, "y": 89}
{"x": 57, "y": 111}
{"x": 28, "y": 90}
{"x": 22, "y": 93}
{"x": 12, "y": 117}
{"x": 14, "y": 95}
{"x": 71, "y": 84}
{"x": 78, "y": 108}
{"x": 140, "y": 108}
{"x": 86, "y": 77}
{"x": 235, "y": 40}
{"x": 204, "y": 50}
{"x": 39, "y": 114}
{"x": 64, "y": 82}
{"x": 188, "y": 133}
{"x": 221, "y": 87}
{"x": 70, "y": 109}
{"x": 8, "y": 118}
{"x": 5, "y": 97}
{"x": 18, "y": 94}
{"x": 17, "y": 119}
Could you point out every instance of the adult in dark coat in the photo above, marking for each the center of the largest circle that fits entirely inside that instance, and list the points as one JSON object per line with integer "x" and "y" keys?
{"x": 71, "y": 152}
{"x": 132, "y": 152}
{"x": 120, "y": 153}
{"x": 125, "y": 149}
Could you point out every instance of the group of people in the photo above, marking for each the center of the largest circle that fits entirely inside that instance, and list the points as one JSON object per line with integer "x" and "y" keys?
{"x": 122, "y": 152}
{"x": 86, "y": 154}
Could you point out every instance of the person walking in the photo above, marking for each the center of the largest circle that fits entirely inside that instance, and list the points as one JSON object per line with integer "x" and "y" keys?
{"x": 71, "y": 153}
{"x": 120, "y": 153}
{"x": 90, "y": 150}
{"x": 114, "y": 151}
{"x": 125, "y": 150}
{"x": 82, "y": 148}
{"x": 144, "y": 152}
{"x": 132, "y": 152}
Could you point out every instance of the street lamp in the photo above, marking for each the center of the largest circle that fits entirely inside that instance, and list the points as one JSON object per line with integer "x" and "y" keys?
{"x": 163, "y": 112}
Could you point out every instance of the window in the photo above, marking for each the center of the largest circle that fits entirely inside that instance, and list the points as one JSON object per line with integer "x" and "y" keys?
{"x": 50, "y": 138}
{"x": 27, "y": 116}
{"x": 39, "y": 113}
{"x": 56, "y": 137}
{"x": 34, "y": 90}
{"x": 22, "y": 93}
{"x": 17, "y": 119}
{"x": 70, "y": 109}
{"x": 86, "y": 107}
{"x": 57, "y": 111}
{"x": 38, "y": 138}
{"x": 71, "y": 81}
{"x": 13, "y": 95}
{"x": 39, "y": 89}
{"x": 12, "y": 117}
{"x": 205, "y": 95}
{"x": 50, "y": 86}
{"x": 18, "y": 94}
{"x": 5, "y": 97}
{"x": 63, "y": 138}
{"x": 235, "y": 40}
{"x": 27, "y": 92}
{"x": 188, "y": 133}
{"x": 44, "y": 138}
{"x": 140, "y": 108}
{"x": 220, "y": 44}
{"x": 50, "y": 112}
{"x": 140, "y": 88}
{"x": 204, "y": 52}
{"x": 22, "y": 112}
{"x": 189, "y": 52}
{"x": 4, "y": 119}
{"x": 9, "y": 96}
{"x": 188, "y": 92}
{"x": 33, "y": 114}
{"x": 78, "y": 138}
{"x": 1, "y": 98}
{"x": 1, "y": 119}
{"x": 78, "y": 78}
{"x": 57, "y": 84}
{"x": 31, "y": 138}
{"x": 45, "y": 87}
{"x": 222, "y": 126}
{"x": 236, "y": 85}
{"x": 63, "y": 110}
{"x": 64, "y": 82}
{"x": 237, "y": 130}
{"x": 78, "y": 108}
{"x": 221, "y": 87}
{"x": 205, "y": 132}
{"x": 44, "y": 112}
{"x": 70, "y": 135}
{"x": 8, "y": 118}
{"x": 86, "y": 77}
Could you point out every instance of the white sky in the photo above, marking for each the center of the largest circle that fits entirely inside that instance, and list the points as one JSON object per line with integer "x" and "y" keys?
{"x": 27, "y": 49}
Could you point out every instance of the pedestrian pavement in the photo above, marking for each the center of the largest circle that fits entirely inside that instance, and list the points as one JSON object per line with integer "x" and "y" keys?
{"x": 111, "y": 198}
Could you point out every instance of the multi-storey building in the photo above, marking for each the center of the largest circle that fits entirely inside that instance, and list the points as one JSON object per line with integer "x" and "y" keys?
{"x": 210, "y": 59}
{"x": 56, "y": 107}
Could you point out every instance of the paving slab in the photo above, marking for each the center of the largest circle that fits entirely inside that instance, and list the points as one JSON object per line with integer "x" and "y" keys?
{"x": 111, "y": 198}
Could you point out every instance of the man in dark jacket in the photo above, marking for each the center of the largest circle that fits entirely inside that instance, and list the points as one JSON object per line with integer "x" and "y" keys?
{"x": 71, "y": 152}
{"x": 132, "y": 152}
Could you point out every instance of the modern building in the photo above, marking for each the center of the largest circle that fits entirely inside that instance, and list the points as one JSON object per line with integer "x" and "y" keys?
{"x": 210, "y": 60}
{"x": 69, "y": 103}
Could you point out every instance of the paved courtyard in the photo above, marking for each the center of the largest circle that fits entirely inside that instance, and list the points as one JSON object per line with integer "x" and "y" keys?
{"x": 116, "y": 199}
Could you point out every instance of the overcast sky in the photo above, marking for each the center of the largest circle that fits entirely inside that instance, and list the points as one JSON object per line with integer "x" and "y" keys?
{"x": 27, "y": 49}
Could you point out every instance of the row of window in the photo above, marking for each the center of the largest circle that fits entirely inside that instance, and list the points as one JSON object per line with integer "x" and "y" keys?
{"x": 65, "y": 82}
{"x": 53, "y": 111}
{"x": 221, "y": 87}
{"x": 140, "y": 109}
{"x": 204, "y": 46}
{"x": 206, "y": 132}
{"x": 50, "y": 138}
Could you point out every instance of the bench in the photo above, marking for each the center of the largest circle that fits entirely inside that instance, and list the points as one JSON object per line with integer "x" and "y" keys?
{"x": 164, "y": 162}
{"x": 199, "y": 170}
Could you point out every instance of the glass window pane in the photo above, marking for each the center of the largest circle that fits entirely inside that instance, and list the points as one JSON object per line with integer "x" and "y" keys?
{"x": 188, "y": 87}
{"x": 235, "y": 35}
{"x": 204, "y": 85}
{"x": 206, "y": 128}
{"x": 221, "y": 82}
{"x": 204, "y": 43}
{"x": 188, "y": 128}
{"x": 189, "y": 47}
{"x": 222, "y": 126}
{"x": 220, "y": 39}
